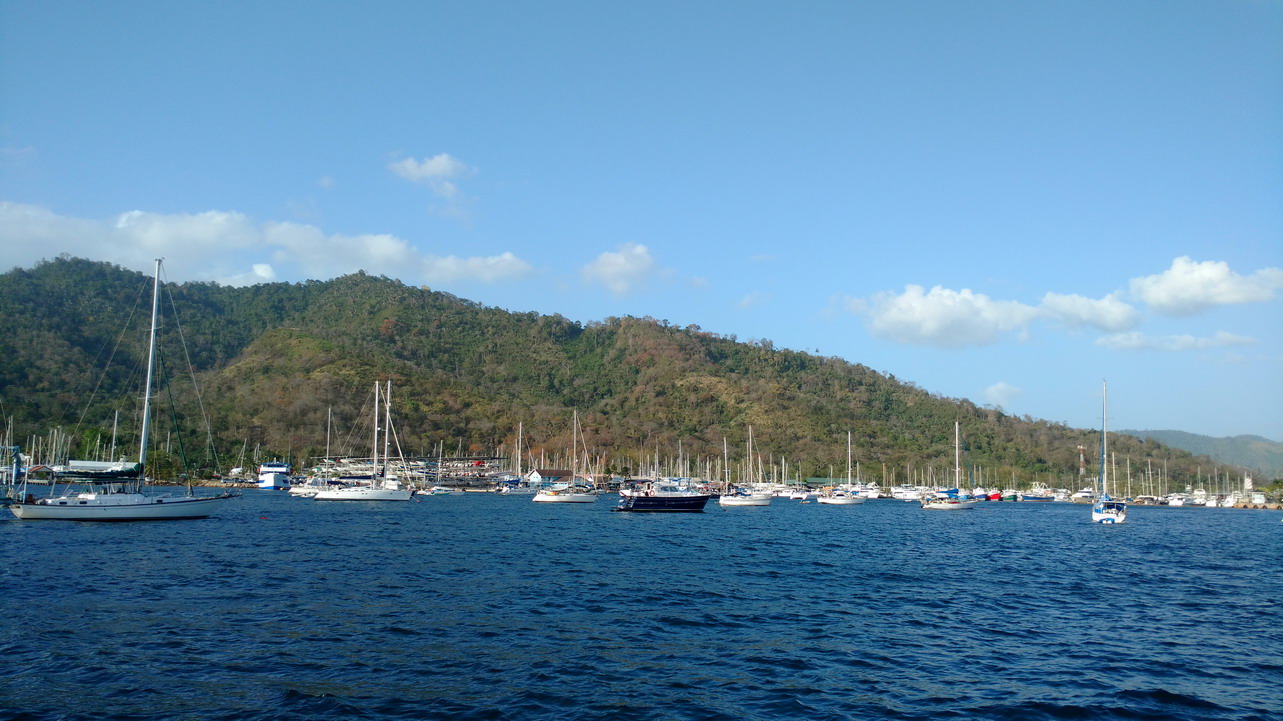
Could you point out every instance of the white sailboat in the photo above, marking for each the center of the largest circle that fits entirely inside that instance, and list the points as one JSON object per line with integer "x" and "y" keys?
{"x": 942, "y": 503}
{"x": 569, "y": 491}
{"x": 742, "y": 496}
{"x": 1106, "y": 510}
{"x": 844, "y": 496}
{"x": 122, "y": 499}
{"x": 381, "y": 487}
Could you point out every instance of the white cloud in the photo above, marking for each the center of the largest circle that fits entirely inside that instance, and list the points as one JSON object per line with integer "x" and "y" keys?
{"x": 621, "y": 271}
{"x": 1001, "y": 394}
{"x": 1188, "y": 287}
{"x": 231, "y": 248}
{"x": 436, "y": 172}
{"x": 944, "y": 318}
{"x": 1108, "y": 313}
{"x": 1141, "y": 341}
{"x": 753, "y": 299}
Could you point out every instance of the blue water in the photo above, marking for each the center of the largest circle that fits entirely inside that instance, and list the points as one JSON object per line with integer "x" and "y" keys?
{"x": 482, "y": 606}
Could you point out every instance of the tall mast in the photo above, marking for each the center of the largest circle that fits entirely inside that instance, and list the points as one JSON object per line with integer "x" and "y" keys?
{"x": 1104, "y": 440}
{"x": 374, "y": 448}
{"x": 151, "y": 360}
{"x": 848, "y": 460}
{"x": 387, "y": 426}
{"x": 957, "y": 457}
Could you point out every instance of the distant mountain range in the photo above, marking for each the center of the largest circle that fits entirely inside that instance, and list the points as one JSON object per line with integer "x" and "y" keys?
{"x": 1246, "y": 451}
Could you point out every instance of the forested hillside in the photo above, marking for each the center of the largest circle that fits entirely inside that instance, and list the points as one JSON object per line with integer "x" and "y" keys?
{"x": 273, "y": 361}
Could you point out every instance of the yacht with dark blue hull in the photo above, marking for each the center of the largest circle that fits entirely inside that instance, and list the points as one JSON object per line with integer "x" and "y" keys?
{"x": 663, "y": 496}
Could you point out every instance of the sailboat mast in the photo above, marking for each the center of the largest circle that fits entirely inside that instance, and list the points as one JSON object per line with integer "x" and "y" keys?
{"x": 848, "y": 460}
{"x": 374, "y": 448}
{"x": 151, "y": 361}
{"x": 957, "y": 457}
{"x": 387, "y": 426}
{"x": 1104, "y": 439}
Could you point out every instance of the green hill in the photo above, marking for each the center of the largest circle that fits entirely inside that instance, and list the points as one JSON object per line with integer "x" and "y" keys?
{"x": 1250, "y": 452}
{"x": 275, "y": 360}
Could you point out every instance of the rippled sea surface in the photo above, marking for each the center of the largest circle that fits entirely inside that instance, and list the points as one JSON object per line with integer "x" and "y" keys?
{"x": 482, "y": 606}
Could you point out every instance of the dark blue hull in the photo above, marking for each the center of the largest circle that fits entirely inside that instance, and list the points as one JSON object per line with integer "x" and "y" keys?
{"x": 663, "y": 504}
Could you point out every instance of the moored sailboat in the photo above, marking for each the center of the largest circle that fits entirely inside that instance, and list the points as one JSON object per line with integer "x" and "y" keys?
{"x": 843, "y": 496}
{"x": 118, "y": 498}
{"x": 951, "y": 503}
{"x": 1106, "y": 510}
{"x": 381, "y": 487}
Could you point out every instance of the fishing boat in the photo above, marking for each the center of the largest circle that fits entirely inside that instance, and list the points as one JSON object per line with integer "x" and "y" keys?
{"x": 382, "y": 487}
{"x": 1106, "y": 510}
{"x": 944, "y": 502}
{"x": 666, "y": 495}
{"x": 843, "y": 496}
{"x": 116, "y": 498}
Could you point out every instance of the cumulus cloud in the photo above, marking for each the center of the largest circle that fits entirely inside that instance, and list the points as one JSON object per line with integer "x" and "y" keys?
{"x": 1075, "y": 311}
{"x": 232, "y": 249}
{"x": 944, "y": 318}
{"x": 1188, "y": 287}
{"x": 437, "y": 172}
{"x": 621, "y": 271}
{"x": 1141, "y": 341}
{"x": 1001, "y": 393}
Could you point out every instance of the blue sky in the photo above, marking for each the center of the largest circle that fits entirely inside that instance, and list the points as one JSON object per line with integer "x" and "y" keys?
{"x": 1000, "y": 201}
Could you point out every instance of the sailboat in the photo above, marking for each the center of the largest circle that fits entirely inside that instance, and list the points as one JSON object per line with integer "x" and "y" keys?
{"x": 1106, "y": 509}
{"x": 106, "y": 498}
{"x": 952, "y": 503}
{"x": 742, "y": 496}
{"x": 569, "y": 491}
{"x": 380, "y": 488}
{"x": 847, "y": 496}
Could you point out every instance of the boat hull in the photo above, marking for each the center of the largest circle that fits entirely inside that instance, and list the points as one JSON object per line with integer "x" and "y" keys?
{"x": 563, "y": 497}
{"x": 744, "y": 500}
{"x": 364, "y": 494}
{"x": 841, "y": 500}
{"x": 663, "y": 504}
{"x": 134, "y": 507}
{"x": 948, "y": 505}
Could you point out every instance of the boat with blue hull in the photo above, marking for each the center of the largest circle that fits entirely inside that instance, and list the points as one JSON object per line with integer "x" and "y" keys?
{"x": 664, "y": 496}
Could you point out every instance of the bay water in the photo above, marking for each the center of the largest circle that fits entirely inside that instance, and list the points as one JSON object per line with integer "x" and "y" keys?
{"x": 486, "y": 606}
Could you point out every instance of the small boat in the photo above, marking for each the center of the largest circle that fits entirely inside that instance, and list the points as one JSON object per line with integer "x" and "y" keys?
{"x": 113, "y": 498}
{"x": 945, "y": 501}
{"x": 663, "y": 496}
{"x": 1106, "y": 510}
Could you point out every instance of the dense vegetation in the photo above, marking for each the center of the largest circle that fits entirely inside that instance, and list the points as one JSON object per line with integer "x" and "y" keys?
{"x": 273, "y": 361}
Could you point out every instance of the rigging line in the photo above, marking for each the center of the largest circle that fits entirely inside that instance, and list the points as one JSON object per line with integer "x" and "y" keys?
{"x": 110, "y": 357}
{"x": 191, "y": 369}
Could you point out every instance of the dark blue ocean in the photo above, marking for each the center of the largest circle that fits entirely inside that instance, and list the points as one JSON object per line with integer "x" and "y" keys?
{"x": 483, "y": 606}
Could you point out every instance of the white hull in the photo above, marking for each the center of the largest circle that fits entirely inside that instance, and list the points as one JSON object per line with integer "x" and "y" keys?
{"x": 120, "y": 507}
{"x": 841, "y": 500}
{"x": 364, "y": 493}
{"x": 564, "y": 497}
{"x": 1108, "y": 518}
{"x": 745, "y": 500}
{"x": 948, "y": 505}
